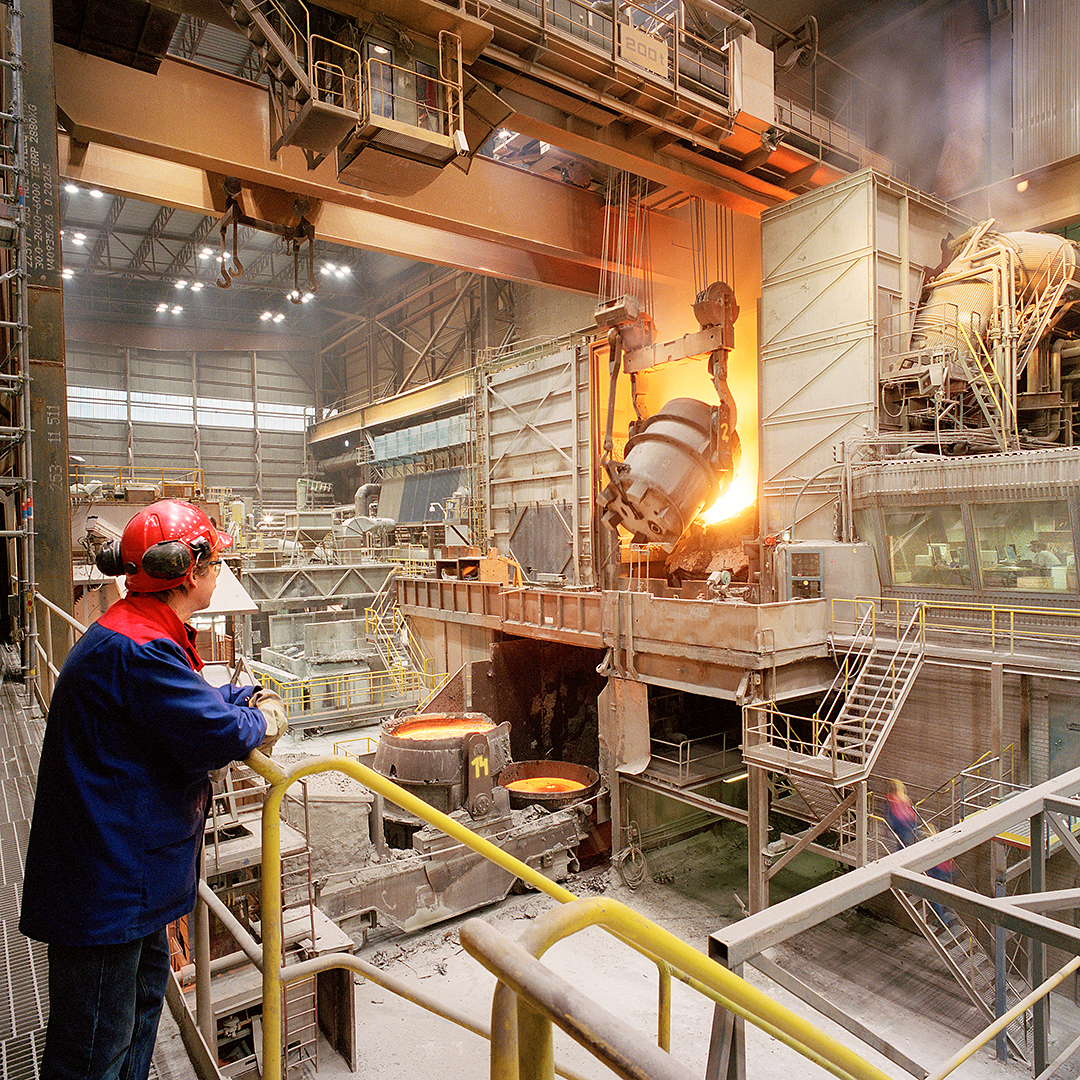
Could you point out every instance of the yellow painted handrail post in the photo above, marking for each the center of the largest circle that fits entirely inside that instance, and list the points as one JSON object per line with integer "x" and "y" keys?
{"x": 504, "y": 1034}
{"x": 536, "y": 1048}
{"x": 271, "y": 914}
{"x": 663, "y": 1006}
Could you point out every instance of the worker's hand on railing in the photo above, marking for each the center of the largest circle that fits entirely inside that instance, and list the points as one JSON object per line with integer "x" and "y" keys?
{"x": 277, "y": 720}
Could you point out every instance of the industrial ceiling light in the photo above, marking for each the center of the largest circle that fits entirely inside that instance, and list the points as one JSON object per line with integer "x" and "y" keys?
{"x": 78, "y": 239}
{"x": 67, "y": 273}
{"x": 382, "y": 50}
{"x": 71, "y": 189}
{"x": 278, "y": 317}
{"x": 206, "y": 252}
{"x": 163, "y": 307}
{"x": 306, "y": 297}
{"x": 196, "y": 286}
{"x": 95, "y": 193}
{"x": 266, "y": 315}
{"x": 180, "y": 284}
{"x": 177, "y": 309}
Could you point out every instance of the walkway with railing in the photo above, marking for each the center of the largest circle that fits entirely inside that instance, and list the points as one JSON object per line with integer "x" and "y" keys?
{"x": 1014, "y": 630}
{"x": 674, "y": 958}
{"x": 529, "y": 997}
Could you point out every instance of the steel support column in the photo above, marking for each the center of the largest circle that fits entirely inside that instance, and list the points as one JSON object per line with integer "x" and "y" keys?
{"x": 1040, "y": 1012}
{"x": 48, "y": 441}
{"x": 757, "y": 836}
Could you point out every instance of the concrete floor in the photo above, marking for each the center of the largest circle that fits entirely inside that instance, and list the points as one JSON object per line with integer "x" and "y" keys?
{"x": 874, "y": 970}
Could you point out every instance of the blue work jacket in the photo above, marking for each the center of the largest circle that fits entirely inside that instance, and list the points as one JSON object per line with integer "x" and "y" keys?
{"x": 122, "y": 790}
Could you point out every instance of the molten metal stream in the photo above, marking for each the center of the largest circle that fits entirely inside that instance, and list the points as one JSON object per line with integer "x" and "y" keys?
{"x": 439, "y": 729}
{"x": 536, "y": 784}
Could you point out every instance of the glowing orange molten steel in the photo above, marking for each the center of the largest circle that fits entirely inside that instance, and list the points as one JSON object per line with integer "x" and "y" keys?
{"x": 544, "y": 784}
{"x": 439, "y": 729}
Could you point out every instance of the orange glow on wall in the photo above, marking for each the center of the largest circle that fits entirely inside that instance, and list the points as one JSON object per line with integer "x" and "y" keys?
{"x": 674, "y": 317}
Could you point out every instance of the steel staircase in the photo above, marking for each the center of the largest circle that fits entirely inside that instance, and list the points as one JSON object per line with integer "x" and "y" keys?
{"x": 1050, "y": 283}
{"x": 963, "y": 954}
{"x": 317, "y": 81}
{"x": 855, "y": 718}
{"x": 989, "y": 393}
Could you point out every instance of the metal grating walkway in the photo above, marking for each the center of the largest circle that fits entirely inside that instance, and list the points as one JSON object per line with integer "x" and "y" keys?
{"x": 23, "y": 979}
{"x": 24, "y": 997}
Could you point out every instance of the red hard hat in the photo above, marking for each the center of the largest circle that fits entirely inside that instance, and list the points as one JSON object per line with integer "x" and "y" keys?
{"x": 162, "y": 542}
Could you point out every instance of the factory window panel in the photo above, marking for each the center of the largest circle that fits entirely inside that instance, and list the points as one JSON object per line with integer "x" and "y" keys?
{"x": 428, "y": 97}
{"x": 380, "y": 87}
{"x": 1026, "y": 546}
{"x": 927, "y": 546}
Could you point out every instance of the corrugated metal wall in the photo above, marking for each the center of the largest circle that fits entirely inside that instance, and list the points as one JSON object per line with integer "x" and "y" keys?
{"x": 1046, "y": 82}
{"x": 188, "y": 409}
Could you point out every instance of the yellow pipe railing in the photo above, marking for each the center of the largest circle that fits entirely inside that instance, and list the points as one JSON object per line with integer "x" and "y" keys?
{"x": 999, "y": 620}
{"x": 275, "y": 976}
{"x": 724, "y": 986}
{"x": 1003, "y": 1021}
{"x": 686, "y": 962}
{"x": 118, "y": 475}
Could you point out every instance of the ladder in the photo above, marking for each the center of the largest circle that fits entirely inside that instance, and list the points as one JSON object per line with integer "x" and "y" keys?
{"x": 315, "y": 94}
{"x": 15, "y": 410}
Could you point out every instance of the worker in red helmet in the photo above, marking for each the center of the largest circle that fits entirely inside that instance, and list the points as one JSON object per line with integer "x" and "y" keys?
{"x": 123, "y": 793}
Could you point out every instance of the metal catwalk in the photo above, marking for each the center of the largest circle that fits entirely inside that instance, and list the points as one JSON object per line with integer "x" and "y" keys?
{"x": 24, "y": 997}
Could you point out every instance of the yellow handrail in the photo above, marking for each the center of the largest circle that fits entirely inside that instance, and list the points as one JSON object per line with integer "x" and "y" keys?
{"x": 686, "y": 962}
{"x": 1003, "y": 1021}
{"x": 1002, "y": 394}
{"x": 724, "y": 986}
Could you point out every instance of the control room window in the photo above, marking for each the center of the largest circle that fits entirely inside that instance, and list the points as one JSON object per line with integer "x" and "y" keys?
{"x": 428, "y": 95}
{"x": 927, "y": 546}
{"x": 380, "y": 65}
{"x": 1026, "y": 546}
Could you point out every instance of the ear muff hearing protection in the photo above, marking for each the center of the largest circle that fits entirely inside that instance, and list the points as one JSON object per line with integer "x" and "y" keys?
{"x": 109, "y": 560}
{"x": 164, "y": 560}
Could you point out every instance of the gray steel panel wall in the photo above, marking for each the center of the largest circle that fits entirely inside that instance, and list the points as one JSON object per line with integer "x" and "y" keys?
{"x": 163, "y": 417}
{"x": 1024, "y": 474}
{"x": 536, "y": 435}
{"x": 1046, "y": 82}
{"x": 833, "y": 275}
{"x": 95, "y": 365}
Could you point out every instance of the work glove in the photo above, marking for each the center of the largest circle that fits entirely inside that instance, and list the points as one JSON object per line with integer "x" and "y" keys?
{"x": 273, "y": 709}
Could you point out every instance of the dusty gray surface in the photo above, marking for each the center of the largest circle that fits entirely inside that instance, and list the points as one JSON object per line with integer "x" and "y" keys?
{"x": 872, "y": 969}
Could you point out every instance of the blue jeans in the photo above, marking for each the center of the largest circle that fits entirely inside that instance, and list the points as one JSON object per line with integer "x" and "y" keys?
{"x": 104, "y": 1006}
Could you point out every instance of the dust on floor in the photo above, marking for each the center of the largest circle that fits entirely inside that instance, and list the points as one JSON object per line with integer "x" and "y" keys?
{"x": 873, "y": 970}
